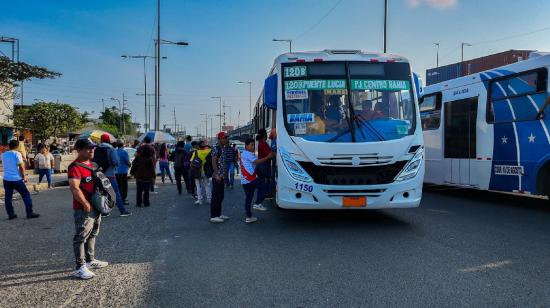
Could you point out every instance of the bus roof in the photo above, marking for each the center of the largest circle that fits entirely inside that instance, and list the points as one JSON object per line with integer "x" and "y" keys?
{"x": 337, "y": 55}
{"x": 535, "y": 60}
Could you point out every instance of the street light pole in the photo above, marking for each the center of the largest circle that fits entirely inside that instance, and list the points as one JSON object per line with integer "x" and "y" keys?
{"x": 462, "y": 53}
{"x": 157, "y": 66}
{"x": 284, "y": 40}
{"x": 249, "y": 96}
{"x": 437, "y": 55}
{"x": 385, "y": 23}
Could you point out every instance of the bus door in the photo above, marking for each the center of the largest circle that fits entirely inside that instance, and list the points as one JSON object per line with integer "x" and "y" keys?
{"x": 460, "y": 141}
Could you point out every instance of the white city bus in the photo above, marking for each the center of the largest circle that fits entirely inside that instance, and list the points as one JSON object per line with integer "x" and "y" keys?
{"x": 348, "y": 128}
{"x": 490, "y": 130}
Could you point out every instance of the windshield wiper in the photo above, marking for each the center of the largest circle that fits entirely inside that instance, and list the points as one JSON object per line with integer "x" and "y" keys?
{"x": 541, "y": 114}
{"x": 368, "y": 125}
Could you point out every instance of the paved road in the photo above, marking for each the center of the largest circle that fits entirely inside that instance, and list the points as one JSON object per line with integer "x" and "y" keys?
{"x": 460, "y": 248}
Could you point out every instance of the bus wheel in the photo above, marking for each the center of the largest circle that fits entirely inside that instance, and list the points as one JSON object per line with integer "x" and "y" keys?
{"x": 543, "y": 181}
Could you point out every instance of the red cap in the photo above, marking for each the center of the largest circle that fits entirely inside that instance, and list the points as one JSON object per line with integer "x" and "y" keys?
{"x": 105, "y": 138}
{"x": 221, "y": 135}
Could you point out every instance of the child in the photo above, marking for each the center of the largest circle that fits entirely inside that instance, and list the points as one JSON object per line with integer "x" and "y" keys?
{"x": 249, "y": 179}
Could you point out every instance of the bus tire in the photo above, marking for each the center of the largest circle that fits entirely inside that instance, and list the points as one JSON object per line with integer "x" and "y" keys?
{"x": 543, "y": 181}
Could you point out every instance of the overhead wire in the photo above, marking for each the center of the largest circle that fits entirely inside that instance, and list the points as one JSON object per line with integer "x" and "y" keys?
{"x": 320, "y": 20}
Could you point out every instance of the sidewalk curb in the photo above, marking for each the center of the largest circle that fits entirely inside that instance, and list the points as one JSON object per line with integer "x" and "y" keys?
{"x": 35, "y": 187}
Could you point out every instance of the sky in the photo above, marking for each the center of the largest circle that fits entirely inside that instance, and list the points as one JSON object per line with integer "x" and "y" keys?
{"x": 231, "y": 41}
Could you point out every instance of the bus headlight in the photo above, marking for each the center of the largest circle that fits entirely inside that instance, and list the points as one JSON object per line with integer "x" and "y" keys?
{"x": 411, "y": 168}
{"x": 293, "y": 167}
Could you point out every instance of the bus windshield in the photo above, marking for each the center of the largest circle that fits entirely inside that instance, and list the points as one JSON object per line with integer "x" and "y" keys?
{"x": 318, "y": 105}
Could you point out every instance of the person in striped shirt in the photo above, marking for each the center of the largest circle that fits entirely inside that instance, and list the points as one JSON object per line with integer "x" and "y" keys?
{"x": 249, "y": 179}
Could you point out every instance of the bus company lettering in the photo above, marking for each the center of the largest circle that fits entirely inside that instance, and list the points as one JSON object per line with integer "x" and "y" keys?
{"x": 315, "y": 84}
{"x": 372, "y": 84}
{"x": 508, "y": 170}
{"x": 461, "y": 91}
{"x": 301, "y": 118}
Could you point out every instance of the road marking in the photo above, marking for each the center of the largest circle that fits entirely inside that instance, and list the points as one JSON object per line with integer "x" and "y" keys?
{"x": 484, "y": 267}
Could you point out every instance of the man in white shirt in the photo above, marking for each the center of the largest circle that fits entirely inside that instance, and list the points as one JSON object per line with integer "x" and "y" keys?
{"x": 15, "y": 179}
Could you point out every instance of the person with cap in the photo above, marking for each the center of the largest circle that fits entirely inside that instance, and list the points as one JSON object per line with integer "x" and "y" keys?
{"x": 122, "y": 170}
{"x": 106, "y": 158}
{"x": 86, "y": 218}
{"x": 219, "y": 165}
{"x": 15, "y": 179}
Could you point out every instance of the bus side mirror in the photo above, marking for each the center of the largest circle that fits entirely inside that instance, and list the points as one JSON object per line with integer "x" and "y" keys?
{"x": 417, "y": 85}
{"x": 270, "y": 92}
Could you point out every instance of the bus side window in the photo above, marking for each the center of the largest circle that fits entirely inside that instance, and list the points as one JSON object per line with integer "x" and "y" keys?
{"x": 517, "y": 98}
{"x": 430, "y": 111}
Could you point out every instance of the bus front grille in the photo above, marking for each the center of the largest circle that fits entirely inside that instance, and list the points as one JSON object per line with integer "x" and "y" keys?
{"x": 369, "y": 175}
{"x": 354, "y": 192}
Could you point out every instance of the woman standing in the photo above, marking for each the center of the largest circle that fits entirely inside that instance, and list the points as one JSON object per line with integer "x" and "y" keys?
{"x": 202, "y": 182}
{"x": 44, "y": 159}
{"x": 164, "y": 164}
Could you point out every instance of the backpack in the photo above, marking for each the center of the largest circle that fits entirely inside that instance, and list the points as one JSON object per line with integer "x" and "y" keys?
{"x": 195, "y": 167}
{"x": 101, "y": 158}
{"x": 103, "y": 198}
{"x": 208, "y": 169}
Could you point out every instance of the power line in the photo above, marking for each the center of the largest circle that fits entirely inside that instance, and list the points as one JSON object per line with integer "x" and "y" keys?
{"x": 320, "y": 20}
{"x": 511, "y": 36}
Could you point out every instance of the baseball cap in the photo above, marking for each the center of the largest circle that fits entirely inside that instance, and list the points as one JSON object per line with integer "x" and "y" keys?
{"x": 105, "y": 138}
{"x": 222, "y": 135}
{"x": 81, "y": 144}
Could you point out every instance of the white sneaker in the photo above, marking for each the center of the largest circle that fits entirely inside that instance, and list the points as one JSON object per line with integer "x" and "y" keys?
{"x": 198, "y": 202}
{"x": 259, "y": 207}
{"x": 224, "y": 217}
{"x": 216, "y": 220}
{"x": 250, "y": 219}
{"x": 83, "y": 273}
{"x": 95, "y": 264}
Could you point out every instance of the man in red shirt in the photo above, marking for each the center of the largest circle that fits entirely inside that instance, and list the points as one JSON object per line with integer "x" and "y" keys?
{"x": 87, "y": 219}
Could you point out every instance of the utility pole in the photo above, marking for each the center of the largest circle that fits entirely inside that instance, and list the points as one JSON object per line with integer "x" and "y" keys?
{"x": 175, "y": 126}
{"x": 385, "y": 24}
{"x": 462, "y": 53}
{"x": 206, "y": 121}
{"x": 437, "y": 55}
{"x": 220, "y": 115}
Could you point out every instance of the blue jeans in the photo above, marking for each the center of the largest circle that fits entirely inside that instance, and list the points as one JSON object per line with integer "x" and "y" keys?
{"x": 119, "y": 201}
{"x": 21, "y": 188}
{"x": 229, "y": 180}
{"x": 263, "y": 188}
{"x": 165, "y": 169}
{"x": 47, "y": 173}
{"x": 249, "y": 192}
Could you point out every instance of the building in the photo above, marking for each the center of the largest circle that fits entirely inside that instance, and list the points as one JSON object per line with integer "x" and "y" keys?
{"x": 6, "y": 114}
{"x": 455, "y": 70}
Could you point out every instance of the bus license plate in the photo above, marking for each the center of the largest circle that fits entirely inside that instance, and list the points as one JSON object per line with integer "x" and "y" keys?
{"x": 359, "y": 201}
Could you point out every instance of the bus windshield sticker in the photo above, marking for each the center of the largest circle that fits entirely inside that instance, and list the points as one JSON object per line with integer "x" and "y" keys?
{"x": 384, "y": 85}
{"x": 301, "y": 118}
{"x": 402, "y": 129}
{"x": 295, "y": 94}
{"x": 316, "y": 84}
{"x": 300, "y": 128}
{"x": 335, "y": 92}
{"x": 508, "y": 170}
{"x": 295, "y": 71}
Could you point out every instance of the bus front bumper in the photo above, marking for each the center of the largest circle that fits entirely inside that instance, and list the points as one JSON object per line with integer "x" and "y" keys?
{"x": 405, "y": 194}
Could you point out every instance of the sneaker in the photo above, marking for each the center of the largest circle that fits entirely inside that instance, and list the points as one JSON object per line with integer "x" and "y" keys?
{"x": 33, "y": 215}
{"x": 259, "y": 207}
{"x": 125, "y": 214}
{"x": 106, "y": 215}
{"x": 154, "y": 192}
{"x": 83, "y": 273}
{"x": 250, "y": 219}
{"x": 138, "y": 205}
{"x": 12, "y": 217}
{"x": 216, "y": 220}
{"x": 147, "y": 205}
{"x": 224, "y": 217}
{"x": 96, "y": 264}
{"x": 126, "y": 202}
{"x": 198, "y": 202}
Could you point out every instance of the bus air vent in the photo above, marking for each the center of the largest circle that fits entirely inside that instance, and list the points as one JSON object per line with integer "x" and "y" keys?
{"x": 343, "y": 52}
{"x": 360, "y": 175}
